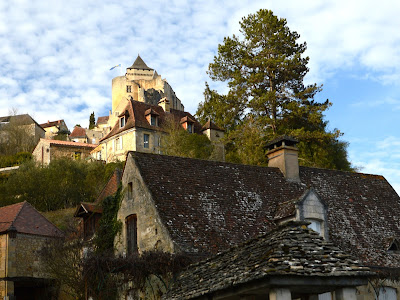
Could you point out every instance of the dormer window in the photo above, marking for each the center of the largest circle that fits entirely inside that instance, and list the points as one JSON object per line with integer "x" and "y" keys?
{"x": 151, "y": 116}
{"x": 394, "y": 246}
{"x": 122, "y": 122}
{"x": 190, "y": 127}
{"x": 123, "y": 118}
{"x": 188, "y": 124}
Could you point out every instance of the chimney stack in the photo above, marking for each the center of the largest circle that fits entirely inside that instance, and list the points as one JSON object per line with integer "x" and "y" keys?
{"x": 164, "y": 103}
{"x": 283, "y": 153}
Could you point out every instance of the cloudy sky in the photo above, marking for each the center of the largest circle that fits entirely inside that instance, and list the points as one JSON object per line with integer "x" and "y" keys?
{"x": 56, "y": 56}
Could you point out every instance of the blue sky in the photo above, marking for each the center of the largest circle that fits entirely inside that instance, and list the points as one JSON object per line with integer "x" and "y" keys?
{"x": 56, "y": 56}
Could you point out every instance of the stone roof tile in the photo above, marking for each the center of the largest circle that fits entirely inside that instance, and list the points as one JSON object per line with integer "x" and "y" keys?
{"x": 26, "y": 219}
{"x": 208, "y": 206}
{"x": 291, "y": 249}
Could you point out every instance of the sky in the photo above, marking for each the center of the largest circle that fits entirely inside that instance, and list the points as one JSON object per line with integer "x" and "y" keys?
{"x": 56, "y": 58}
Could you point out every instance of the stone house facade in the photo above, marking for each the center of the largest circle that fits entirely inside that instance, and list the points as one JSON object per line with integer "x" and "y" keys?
{"x": 23, "y": 233}
{"x": 47, "y": 150}
{"x": 204, "y": 207}
{"x": 52, "y": 128}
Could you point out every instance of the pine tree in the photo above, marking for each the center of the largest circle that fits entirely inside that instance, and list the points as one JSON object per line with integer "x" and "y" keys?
{"x": 265, "y": 70}
{"x": 92, "y": 121}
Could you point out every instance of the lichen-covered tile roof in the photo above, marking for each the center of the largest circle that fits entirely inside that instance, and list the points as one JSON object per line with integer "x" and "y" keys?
{"x": 208, "y": 206}
{"x": 26, "y": 219}
{"x": 292, "y": 250}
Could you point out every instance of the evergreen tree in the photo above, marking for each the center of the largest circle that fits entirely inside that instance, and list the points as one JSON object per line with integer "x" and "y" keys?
{"x": 92, "y": 121}
{"x": 267, "y": 96}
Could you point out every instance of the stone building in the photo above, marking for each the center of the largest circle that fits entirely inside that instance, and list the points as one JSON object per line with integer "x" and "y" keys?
{"x": 47, "y": 150}
{"x": 52, "y": 128}
{"x": 20, "y": 130}
{"x": 141, "y": 103}
{"x": 23, "y": 233}
{"x": 201, "y": 208}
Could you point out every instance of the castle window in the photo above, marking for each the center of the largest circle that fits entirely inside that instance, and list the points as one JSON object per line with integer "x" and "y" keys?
{"x": 128, "y": 89}
{"x": 131, "y": 234}
{"x": 146, "y": 140}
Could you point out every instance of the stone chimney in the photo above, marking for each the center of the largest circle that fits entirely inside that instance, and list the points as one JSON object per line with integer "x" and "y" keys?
{"x": 283, "y": 153}
{"x": 164, "y": 103}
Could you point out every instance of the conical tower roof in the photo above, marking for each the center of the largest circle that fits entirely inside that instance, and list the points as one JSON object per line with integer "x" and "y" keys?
{"x": 139, "y": 64}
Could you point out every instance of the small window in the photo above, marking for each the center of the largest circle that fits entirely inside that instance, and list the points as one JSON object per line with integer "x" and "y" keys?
{"x": 315, "y": 225}
{"x": 118, "y": 143}
{"x": 153, "y": 121}
{"x": 146, "y": 140}
{"x": 130, "y": 190}
{"x": 387, "y": 293}
{"x": 190, "y": 127}
{"x": 128, "y": 89}
{"x": 122, "y": 122}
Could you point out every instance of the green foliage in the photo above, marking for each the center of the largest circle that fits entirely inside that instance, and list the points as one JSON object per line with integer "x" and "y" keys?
{"x": 92, "y": 121}
{"x": 14, "y": 160}
{"x": 63, "y": 183}
{"x": 109, "y": 225}
{"x": 179, "y": 142}
{"x": 16, "y": 136}
{"x": 62, "y": 135}
{"x": 267, "y": 97}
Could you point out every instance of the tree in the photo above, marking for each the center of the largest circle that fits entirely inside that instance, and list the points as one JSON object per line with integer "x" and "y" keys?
{"x": 267, "y": 97}
{"x": 92, "y": 121}
{"x": 179, "y": 142}
{"x": 63, "y": 183}
{"x": 16, "y": 136}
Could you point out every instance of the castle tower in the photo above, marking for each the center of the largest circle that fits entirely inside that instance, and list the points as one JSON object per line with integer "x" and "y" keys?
{"x": 141, "y": 83}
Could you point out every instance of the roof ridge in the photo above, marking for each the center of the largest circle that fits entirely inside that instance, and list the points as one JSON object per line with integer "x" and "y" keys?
{"x": 19, "y": 211}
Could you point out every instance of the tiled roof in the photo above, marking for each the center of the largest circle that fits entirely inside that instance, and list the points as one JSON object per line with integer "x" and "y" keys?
{"x": 85, "y": 208}
{"x": 51, "y": 124}
{"x": 111, "y": 186}
{"x": 137, "y": 118}
{"x": 26, "y": 219}
{"x": 139, "y": 64}
{"x": 292, "y": 249}
{"x": 102, "y": 120}
{"x": 208, "y": 206}
{"x": 23, "y": 119}
{"x": 69, "y": 144}
{"x": 78, "y": 132}
{"x": 210, "y": 125}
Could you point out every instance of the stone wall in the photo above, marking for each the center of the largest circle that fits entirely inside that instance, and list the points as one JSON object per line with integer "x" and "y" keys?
{"x": 57, "y": 151}
{"x": 151, "y": 233}
{"x": 23, "y": 259}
